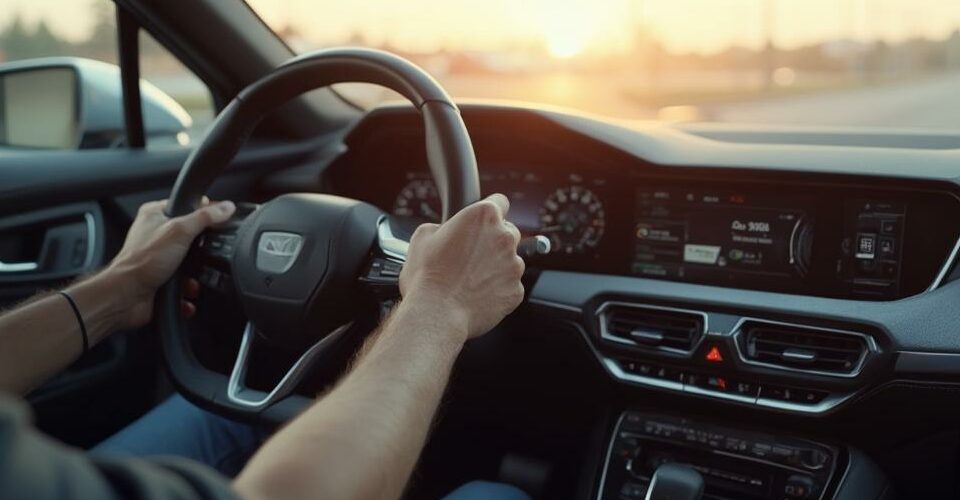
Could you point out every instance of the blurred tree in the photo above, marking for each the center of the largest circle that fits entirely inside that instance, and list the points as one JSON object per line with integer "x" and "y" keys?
{"x": 101, "y": 43}
{"x": 18, "y": 42}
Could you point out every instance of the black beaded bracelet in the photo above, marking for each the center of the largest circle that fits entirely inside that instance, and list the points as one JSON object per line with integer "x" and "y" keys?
{"x": 83, "y": 328}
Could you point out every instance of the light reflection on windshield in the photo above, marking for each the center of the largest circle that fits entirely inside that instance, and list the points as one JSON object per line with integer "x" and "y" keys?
{"x": 817, "y": 62}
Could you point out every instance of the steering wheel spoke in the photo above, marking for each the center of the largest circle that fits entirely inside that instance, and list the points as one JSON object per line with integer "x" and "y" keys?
{"x": 239, "y": 394}
{"x": 382, "y": 273}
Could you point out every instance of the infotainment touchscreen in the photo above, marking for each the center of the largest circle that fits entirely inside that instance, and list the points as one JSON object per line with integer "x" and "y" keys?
{"x": 695, "y": 235}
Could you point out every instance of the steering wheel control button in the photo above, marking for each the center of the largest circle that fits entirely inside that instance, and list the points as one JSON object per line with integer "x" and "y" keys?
{"x": 210, "y": 277}
{"x": 383, "y": 272}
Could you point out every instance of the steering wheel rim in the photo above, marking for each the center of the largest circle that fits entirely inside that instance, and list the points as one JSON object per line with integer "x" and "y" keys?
{"x": 449, "y": 154}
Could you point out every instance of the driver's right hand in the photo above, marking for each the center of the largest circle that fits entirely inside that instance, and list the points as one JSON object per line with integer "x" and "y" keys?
{"x": 468, "y": 266}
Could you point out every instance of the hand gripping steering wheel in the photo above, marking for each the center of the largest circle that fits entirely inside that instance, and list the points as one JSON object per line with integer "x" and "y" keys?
{"x": 296, "y": 261}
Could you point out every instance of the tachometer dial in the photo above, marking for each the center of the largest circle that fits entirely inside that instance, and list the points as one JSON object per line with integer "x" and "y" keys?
{"x": 419, "y": 198}
{"x": 573, "y": 219}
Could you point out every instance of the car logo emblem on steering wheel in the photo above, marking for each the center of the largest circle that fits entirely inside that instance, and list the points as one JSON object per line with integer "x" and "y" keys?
{"x": 278, "y": 251}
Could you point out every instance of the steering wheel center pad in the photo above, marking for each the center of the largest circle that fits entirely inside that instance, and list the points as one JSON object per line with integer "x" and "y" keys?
{"x": 296, "y": 264}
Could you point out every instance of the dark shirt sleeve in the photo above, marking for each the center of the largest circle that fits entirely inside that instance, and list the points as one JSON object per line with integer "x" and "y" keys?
{"x": 35, "y": 467}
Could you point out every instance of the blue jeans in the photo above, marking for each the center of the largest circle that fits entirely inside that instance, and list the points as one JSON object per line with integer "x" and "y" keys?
{"x": 178, "y": 428}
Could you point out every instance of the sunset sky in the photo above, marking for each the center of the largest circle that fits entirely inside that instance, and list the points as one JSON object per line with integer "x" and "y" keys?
{"x": 566, "y": 27}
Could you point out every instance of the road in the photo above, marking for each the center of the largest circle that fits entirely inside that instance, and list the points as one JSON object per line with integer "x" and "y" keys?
{"x": 931, "y": 102}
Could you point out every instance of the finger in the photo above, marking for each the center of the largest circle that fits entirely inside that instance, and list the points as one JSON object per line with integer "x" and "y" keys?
{"x": 204, "y": 201}
{"x": 512, "y": 229}
{"x": 187, "y": 309}
{"x": 501, "y": 202}
{"x": 153, "y": 206}
{"x": 195, "y": 222}
{"x": 191, "y": 288}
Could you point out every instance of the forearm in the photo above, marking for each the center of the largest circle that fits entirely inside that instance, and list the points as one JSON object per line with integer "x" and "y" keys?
{"x": 362, "y": 440}
{"x": 43, "y": 336}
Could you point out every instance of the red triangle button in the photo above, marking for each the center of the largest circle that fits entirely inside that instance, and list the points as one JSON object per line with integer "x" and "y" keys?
{"x": 713, "y": 355}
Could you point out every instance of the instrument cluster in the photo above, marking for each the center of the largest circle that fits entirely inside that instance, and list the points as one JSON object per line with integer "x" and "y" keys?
{"x": 567, "y": 208}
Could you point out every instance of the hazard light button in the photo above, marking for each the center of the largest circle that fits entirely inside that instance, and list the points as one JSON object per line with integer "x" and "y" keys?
{"x": 714, "y": 355}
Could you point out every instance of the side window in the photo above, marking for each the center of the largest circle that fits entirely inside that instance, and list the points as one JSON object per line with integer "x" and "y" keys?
{"x": 60, "y": 85}
{"x": 46, "y": 55}
{"x": 194, "y": 105}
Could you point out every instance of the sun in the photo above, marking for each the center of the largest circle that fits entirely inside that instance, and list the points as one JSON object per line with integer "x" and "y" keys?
{"x": 565, "y": 45}
{"x": 566, "y": 30}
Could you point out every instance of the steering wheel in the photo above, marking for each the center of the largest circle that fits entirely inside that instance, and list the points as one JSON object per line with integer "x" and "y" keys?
{"x": 297, "y": 261}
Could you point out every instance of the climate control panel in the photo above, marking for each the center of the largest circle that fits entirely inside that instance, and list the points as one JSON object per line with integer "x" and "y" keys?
{"x": 762, "y": 362}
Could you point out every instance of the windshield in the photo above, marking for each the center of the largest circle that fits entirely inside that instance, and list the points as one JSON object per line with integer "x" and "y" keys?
{"x": 809, "y": 62}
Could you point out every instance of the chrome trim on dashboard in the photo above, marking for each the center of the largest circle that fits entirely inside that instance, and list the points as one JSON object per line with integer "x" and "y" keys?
{"x": 938, "y": 280}
{"x": 604, "y": 334}
{"x": 870, "y": 341}
{"x": 692, "y": 389}
{"x": 831, "y": 401}
{"x": 555, "y": 305}
{"x": 606, "y": 461}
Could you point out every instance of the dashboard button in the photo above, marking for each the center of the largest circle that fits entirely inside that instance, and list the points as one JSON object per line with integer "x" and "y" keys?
{"x": 776, "y": 392}
{"x": 810, "y": 396}
{"x": 798, "y": 486}
{"x": 887, "y": 247}
{"x": 744, "y": 388}
{"x": 866, "y": 246}
{"x": 665, "y": 373}
{"x": 888, "y": 226}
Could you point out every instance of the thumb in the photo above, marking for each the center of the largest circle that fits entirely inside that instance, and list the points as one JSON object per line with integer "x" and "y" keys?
{"x": 195, "y": 222}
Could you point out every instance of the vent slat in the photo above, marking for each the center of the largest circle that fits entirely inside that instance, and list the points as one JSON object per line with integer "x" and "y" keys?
{"x": 679, "y": 330}
{"x": 833, "y": 352}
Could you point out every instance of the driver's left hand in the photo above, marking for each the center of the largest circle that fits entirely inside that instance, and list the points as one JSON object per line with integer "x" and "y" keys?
{"x": 155, "y": 247}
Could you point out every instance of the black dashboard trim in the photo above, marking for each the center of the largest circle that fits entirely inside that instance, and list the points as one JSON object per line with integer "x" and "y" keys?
{"x": 939, "y": 363}
{"x": 922, "y": 323}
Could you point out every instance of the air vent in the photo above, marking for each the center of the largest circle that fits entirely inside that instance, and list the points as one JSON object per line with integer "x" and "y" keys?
{"x": 651, "y": 327}
{"x": 796, "y": 347}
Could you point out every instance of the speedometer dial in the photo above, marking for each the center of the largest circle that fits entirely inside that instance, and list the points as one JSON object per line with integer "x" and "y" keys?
{"x": 573, "y": 219}
{"x": 419, "y": 198}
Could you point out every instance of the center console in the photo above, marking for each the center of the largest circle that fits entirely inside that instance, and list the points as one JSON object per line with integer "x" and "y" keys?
{"x": 735, "y": 464}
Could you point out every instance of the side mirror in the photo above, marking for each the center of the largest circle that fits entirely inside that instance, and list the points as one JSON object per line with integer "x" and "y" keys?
{"x": 75, "y": 103}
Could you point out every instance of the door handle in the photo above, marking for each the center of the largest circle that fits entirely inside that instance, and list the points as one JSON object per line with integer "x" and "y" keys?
{"x": 18, "y": 267}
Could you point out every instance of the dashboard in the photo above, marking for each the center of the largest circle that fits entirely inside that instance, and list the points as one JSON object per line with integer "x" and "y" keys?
{"x": 787, "y": 277}
{"x": 829, "y": 239}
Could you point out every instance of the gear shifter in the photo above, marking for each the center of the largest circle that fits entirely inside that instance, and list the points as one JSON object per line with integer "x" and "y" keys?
{"x": 675, "y": 482}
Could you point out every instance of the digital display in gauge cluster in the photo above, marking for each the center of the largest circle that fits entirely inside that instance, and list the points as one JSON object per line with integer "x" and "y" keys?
{"x": 698, "y": 235}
